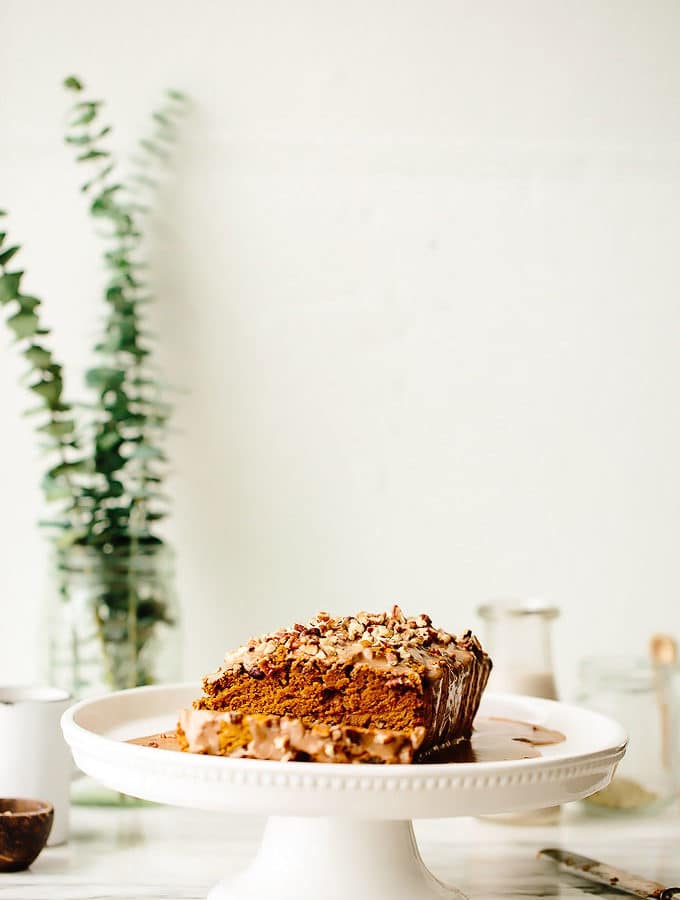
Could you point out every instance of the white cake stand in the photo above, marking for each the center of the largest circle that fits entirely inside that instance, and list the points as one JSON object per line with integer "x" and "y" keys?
{"x": 338, "y": 831}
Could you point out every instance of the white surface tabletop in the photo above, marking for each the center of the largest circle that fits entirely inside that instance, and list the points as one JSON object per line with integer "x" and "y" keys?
{"x": 168, "y": 854}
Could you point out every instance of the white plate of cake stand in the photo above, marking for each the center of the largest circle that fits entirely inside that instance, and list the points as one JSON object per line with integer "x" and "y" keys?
{"x": 339, "y": 831}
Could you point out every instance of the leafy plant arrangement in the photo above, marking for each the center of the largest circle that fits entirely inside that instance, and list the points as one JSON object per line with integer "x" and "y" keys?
{"x": 107, "y": 465}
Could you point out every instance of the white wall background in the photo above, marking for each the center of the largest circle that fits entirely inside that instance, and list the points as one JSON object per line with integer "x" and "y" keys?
{"x": 419, "y": 269}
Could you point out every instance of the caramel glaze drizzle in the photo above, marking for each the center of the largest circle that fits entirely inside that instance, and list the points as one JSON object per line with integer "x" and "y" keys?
{"x": 496, "y": 740}
{"x": 493, "y": 740}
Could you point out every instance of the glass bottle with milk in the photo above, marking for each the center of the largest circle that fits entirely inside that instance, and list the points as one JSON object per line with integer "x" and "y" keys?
{"x": 517, "y": 636}
{"x": 518, "y": 639}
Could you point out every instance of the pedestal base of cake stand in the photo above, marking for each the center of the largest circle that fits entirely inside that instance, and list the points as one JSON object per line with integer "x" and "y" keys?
{"x": 305, "y": 858}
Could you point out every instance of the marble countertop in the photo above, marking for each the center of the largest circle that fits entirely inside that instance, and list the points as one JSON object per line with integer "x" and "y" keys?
{"x": 172, "y": 854}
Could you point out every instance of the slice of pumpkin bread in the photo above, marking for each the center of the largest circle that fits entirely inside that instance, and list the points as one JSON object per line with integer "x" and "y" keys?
{"x": 282, "y": 738}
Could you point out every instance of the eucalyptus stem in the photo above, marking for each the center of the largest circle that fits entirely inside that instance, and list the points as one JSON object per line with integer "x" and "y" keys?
{"x": 56, "y": 422}
{"x": 131, "y": 420}
{"x": 105, "y": 473}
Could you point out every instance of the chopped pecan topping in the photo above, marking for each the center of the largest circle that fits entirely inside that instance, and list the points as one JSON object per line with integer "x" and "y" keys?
{"x": 392, "y": 638}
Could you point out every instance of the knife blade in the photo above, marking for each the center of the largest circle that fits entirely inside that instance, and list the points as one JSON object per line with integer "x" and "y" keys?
{"x": 601, "y": 873}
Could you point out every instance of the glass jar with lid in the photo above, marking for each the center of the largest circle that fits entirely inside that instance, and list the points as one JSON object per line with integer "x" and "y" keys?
{"x": 642, "y": 697}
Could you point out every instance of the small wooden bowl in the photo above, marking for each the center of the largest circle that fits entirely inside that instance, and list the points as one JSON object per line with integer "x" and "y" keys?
{"x": 25, "y": 826}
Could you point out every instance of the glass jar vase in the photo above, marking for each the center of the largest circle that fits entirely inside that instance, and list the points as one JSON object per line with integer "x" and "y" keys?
{"x": 643, "y": 698}
{"x": 113, "y": 618}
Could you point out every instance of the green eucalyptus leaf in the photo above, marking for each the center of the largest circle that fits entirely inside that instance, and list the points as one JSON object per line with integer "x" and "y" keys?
{"x": 114, "y": 293}
{"x": 133, "y": 420}
{"x": 118, "y": 408}
{"x": 143, "y": 494}
{"x": 108, "y": 461}
{"x": 106, "y": 347}
{"x": 105, "y": 204}
{"x": 125, "y": 227}
{"x": 50, "y": 391}
{"x": 49, "y": 449}
{"x": 102, "y": 175}
{"x": 78, "y": 140}
{"x": 27, "y": 303}
{"x": 38, "y": 356}
{"x": 55, "y": 489}
{"x": 6, "y": 255}
{"x": 105, "y": 377}
{"x": 9, "y": 286}
{"x": 118, "y": 259}
{"x": 86, "y": 117}
{"x": 3, "y": 235}
{"x": 100, "y": 206}
{"x": 110, "y": 191}
{"x": 70, "y": 537}
{"x": 72, "y": 83}
{"x": 92, "y": 154}
{"x": 59, "y": 429}
{"x": 146, "y": 451}
{"x": 116, "y": 489}
{"x": 108, "y": 441}
{"x": 23, "y": 324}
{"x": 65, "y": 469}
